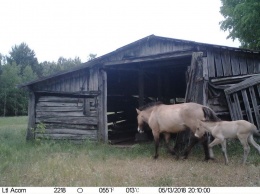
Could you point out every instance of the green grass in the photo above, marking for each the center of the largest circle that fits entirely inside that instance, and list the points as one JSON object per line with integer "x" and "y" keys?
{"x": 61, "y": 163}
{"x": 18, "y": 157}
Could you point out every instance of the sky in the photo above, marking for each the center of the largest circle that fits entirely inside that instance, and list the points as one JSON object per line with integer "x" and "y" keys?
{"x": 70, "y": 28}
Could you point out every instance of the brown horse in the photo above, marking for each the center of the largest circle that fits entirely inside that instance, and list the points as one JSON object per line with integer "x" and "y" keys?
{"x": 175, "y": 118}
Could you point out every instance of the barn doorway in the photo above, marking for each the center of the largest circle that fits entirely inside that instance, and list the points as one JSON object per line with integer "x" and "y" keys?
{"x": 131, "y": 85}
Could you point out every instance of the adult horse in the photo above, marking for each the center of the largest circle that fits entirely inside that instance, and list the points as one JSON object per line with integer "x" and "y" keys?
{"x": 175, "y": 118}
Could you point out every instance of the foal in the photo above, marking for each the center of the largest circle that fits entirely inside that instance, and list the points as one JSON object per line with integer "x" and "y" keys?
{"x": 222, "y": 130}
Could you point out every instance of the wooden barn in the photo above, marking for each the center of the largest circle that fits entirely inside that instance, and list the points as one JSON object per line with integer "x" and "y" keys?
{"x": 97, "y": 100}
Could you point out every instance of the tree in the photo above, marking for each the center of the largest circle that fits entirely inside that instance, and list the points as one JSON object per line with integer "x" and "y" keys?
{"x": 23, "y": 56}
{"x": 9, "y": 93}
{"x": 91, "y": 56}
{"x": 61, "y": 65}
{"x": 242, "y": 20}
{"x": 1, "y": 58}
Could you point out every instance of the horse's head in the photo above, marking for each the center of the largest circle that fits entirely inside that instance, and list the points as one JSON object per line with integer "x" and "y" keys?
{"x": 140, "y": 120}
{"x": 200, "y": 130}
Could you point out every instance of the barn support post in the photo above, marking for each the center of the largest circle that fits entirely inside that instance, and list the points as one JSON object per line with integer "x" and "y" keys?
{"x": 195, "y": 85}
{"x": 103, "y": 129}
{"x": 31, "y": 116}
{"x": 205, "y": 80}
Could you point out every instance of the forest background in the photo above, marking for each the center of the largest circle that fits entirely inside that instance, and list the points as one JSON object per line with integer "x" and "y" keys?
{"x": 21, "y": 66}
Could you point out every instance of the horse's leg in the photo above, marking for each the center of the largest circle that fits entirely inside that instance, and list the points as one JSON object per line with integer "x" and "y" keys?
{"x": 224, "y": 150}
{"x": 156, "y": 137}
{"x": 167, "y": 137}
{"x": 211, "y": 154}
{"x": 253, "y": 143}
{"x": 217, "y": 141}
{"x": 207, "y": 150}
{"x": 243, "y": 140}
{"x": 193, "y": 142}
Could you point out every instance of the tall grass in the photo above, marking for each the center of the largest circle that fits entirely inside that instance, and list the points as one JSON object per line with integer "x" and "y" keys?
{"x": 29, "y": 163}
{"x": 62, "y": 163}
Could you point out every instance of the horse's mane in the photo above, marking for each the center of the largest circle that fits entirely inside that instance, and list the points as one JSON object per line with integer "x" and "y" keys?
{"x": 149, "y": 105}
{"x": 210, "y": 115}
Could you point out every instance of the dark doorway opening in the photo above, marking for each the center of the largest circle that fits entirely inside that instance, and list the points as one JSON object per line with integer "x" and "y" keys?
{"x": 131, "y": 85}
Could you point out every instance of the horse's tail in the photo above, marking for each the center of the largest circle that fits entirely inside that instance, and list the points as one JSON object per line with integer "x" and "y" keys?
{"x": 256, "y": 132}
{"x": 209, "y": 114}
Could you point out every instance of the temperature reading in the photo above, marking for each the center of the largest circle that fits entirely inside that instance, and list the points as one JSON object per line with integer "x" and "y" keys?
{"x": 132, "y": 190}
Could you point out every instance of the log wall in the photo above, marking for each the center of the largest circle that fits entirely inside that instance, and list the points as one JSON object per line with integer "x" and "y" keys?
{"x": 64, "y": 118}
{"x": 67, "y": 106}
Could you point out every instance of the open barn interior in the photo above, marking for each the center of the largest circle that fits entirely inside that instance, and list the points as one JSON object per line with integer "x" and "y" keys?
{"x": 131, "y": 85}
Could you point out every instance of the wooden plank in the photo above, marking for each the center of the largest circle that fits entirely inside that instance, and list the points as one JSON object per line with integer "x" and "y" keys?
{"x": 154, "y": 57}
{"x": 230, "y": 80}
{"x": 205, "y": 68}
{"x": 59, "y": 109}
{"x": 257, "y": 65}
{"x": 255, "y": 106}
{"x": 238, "y": 107}
{"x": 116, "y": 117}
{"x": 247, "y": 106}
{"x": 79, "y": 94}
{"x": 69, "y": 126}
{"x": 218, "y": 63}
{"x": 258, "y": 89}
{"x": 60, "y": 104}
{"x": 243, "y": 65}
{"x": 59, "y": 99}
{"x": 225, "y": 56}
{"x": 211, "y": 64}
{"x": 94, "y": 76}
{"x": 31, "y": 116}
{"x": 70, "y": 120}
{"x": 194, "y": 91}
{"x": 66, "y": 136}
{"x": 254, "y": 80}
{"x": 66, "y": 131}
{"x": 58, "y": 114}
{"x": 250, "y": 64}
{"x": 230, "y": 106}
{"x": 205, "y": 71}
{"x": 102, "y": 107}
{"x": 235, "y": 64}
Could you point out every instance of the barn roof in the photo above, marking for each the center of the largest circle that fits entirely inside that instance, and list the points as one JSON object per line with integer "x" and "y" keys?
{"x": 105, "y": 58}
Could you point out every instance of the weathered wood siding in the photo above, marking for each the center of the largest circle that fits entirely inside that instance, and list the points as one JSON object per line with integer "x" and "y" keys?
{"x": 152, "y": 46}
{"x": 226, "y": 68}
{"x": 225, "y": 63}
{"x": 83, "y": 80}
{"x": 68, "y": 107}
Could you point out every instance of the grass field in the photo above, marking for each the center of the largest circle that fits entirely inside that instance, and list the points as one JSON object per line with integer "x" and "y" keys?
{"x": 49, "y": 163}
